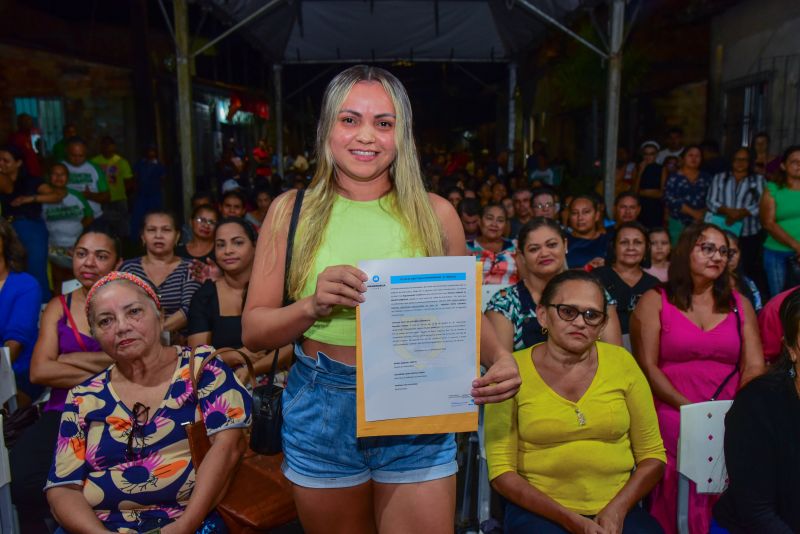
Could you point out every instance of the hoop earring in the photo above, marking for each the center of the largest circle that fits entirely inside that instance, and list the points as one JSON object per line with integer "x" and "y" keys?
{"x": 792, "y": 371}
{"x": 544, "y": 331}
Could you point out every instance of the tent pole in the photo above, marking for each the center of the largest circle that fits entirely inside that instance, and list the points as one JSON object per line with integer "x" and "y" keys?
{"x": 617, "y": 21}
{"x": 512, "y": 114}
{"x": 183, "y": 68}
{"x": 533, "y": 8}
{"x": 277, "y": 69}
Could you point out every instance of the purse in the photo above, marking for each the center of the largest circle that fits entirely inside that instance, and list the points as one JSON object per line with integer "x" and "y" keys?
{"x": 265, "y": 437}
{"x": 258, "y": 496}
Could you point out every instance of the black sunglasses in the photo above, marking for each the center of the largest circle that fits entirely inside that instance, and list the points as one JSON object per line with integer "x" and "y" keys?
{"x": 136, "y": 442}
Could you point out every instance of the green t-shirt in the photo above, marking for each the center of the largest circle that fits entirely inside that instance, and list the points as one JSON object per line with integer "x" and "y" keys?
{"x": 787, "y": 215}
{"x": 91, "y": 176}
{"x": 64, "y": 218}
{"x": 117, "y": 170}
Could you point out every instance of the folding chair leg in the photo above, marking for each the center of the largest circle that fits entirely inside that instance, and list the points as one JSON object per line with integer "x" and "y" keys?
{"x": 683, "y": 504}
{"x": 9, "y": 522}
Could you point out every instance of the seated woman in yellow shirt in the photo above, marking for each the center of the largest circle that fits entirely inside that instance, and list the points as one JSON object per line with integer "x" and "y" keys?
{"x": 563, "y": 451}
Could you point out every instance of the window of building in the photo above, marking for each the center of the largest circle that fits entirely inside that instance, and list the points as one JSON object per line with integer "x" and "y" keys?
{"x": 48, "y": 120}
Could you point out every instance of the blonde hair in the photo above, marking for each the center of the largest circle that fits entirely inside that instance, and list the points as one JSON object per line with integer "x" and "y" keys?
{"x": 407, "y": 201}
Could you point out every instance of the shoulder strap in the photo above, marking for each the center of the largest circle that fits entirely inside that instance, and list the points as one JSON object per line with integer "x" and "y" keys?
{"x": 298, "y": 203}
{"x": 194, "y": 376}
{"x": 741, "y": 343}
{"x": 66, "y": 304}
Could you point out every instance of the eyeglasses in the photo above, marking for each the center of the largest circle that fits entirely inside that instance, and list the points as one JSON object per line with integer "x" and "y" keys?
{"x": 203, "y": 220}
{"x": 543, "y": 206}
{"x": 570, "y": 313}
{"x": 136, "y": 441}
{"x": 709, "y": 249}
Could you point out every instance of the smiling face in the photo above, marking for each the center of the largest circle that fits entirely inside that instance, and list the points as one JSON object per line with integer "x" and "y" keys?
{"x": 573, "y": 336}
{"x": 659, "y": 246}
{"x": 234, "y": 250}
{"x": 630, "y": 246}
{"x": 159, "y": 234}
{"x": 493, "y": 222}
{"x": 583, "y": 216}
{"x": 59, "y": 176}
{"x": 362, "y": 141}
{"x": 124, "y": 321}
{"x": 544, "y": 253}
{"x": 708, "y": 267}
{"x": 93, "y": 257}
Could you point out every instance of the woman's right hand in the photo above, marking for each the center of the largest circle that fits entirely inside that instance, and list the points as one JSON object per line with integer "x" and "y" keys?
{"x": 584, "y": 525}
{"x": 338, "y": 285}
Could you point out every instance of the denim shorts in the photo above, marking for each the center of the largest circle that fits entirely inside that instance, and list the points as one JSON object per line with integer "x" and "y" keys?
{"x": 319, "y": 434}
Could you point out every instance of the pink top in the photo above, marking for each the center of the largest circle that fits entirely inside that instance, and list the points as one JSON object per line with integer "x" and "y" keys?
{"x": 697, "y": 361}
{"x": 658, "y": 272}
{"x": 769, "y": 324}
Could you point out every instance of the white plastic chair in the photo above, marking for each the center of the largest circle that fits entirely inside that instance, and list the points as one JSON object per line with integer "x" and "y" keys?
{"x": 701, "y": 457}
{"x": 8, "y": 383}
{"x": 9, "y": 522}
{"x": 69, "y": 286}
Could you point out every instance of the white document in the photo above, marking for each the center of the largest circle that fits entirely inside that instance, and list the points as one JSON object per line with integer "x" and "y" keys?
{"x": 419, "y": 337}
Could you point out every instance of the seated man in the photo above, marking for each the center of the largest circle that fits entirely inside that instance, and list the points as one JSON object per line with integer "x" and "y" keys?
{"x": 469, "y": 211}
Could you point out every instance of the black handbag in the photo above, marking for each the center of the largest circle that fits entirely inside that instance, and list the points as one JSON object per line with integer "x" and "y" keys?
{"x": 265, "y": 435}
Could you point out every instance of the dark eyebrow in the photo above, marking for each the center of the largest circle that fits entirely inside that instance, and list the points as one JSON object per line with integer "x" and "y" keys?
{"x": 378, "y": 116}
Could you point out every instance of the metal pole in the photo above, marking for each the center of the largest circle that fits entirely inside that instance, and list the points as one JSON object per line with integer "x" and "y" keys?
{"x": 183, "y": 68}
{"x": 554, "y": 22}
{"x": 277, "y": 70}
{"x": 258, "y": 12}
{"x": 512, "y": 114}
{"x": 617, "y": 22}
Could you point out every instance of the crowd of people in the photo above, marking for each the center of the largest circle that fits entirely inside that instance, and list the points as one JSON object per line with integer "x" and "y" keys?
{"x": 605, "y": 321}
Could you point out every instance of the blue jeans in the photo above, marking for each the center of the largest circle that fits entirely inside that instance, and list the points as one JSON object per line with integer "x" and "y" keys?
{"x": 775, "y": 269}
{"x": 33, "y": 235}
{"x": 319, "y": 434}
{"x": 521, "y": 521}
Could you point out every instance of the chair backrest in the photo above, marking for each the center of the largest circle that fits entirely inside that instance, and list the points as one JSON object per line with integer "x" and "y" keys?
{"x": 8, "y": 383}
{"x": 69, "y": 286}
{"x": 488, "y": 291}
{"x": 5, "y": 469}
{"x": 701, "y": 457}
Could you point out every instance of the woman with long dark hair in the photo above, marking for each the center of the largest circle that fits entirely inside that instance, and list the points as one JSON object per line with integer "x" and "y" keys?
{"x": 696, "y": 339}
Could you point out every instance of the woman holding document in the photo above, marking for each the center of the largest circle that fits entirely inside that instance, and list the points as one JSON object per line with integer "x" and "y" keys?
{"x": 366, "y": 201}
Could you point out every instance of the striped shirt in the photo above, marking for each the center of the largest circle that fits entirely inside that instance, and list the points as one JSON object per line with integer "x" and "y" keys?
{"x": 725, "y": 191}
{"x": 177, "y": 289}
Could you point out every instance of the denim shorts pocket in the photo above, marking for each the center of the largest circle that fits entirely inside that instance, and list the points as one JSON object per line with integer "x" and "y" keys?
{"x": 289, "y": 400}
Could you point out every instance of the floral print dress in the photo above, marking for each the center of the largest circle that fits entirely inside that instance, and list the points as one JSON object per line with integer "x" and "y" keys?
{"x": 92, "y": 448}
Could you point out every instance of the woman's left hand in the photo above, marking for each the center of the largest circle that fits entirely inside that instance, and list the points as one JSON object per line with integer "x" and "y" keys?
{"x": 611, "y": 518}
{"x": 500, "y": 382}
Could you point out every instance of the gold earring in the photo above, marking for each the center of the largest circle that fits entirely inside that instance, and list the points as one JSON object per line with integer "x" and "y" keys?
{"x": 544, "y": 331}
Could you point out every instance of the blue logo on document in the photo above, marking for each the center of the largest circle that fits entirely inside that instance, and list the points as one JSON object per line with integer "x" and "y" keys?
{"x": 376, "y": 278}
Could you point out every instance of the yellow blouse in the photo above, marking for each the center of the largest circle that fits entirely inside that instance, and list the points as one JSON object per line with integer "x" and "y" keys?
{"x": 581, "y": 453}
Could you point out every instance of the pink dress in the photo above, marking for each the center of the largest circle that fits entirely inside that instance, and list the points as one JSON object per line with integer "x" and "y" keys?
{"x": 696, "y": 362}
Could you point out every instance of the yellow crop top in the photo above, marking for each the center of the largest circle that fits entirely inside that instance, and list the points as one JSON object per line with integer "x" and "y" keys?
{"x": 356, "y": 231}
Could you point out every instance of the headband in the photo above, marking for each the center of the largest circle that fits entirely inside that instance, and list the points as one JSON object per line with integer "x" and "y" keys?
{"x": 114, "y": 276}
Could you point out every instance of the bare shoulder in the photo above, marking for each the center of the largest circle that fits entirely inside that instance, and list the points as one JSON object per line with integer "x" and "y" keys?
{"x": 648, "y": 304}
{"x": 442, "y": 206}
